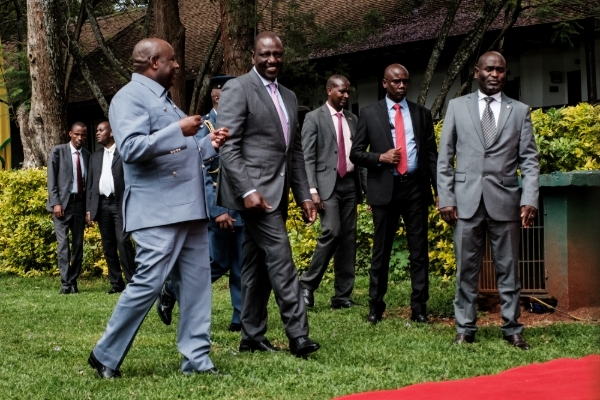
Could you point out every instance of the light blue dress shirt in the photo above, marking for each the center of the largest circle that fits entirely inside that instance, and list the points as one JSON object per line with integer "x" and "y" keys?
{"x": 409, "y": 134}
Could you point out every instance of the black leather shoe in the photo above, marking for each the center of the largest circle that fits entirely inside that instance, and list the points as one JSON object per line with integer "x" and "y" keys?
{"x": 463, "y": 338}
{"x": 421, "y": 318}
{"x": 103, "y": 371}
{"x": 374, "y": 318}
{"x": 308, "y": 297}
{"x": 234, "y": 327}
{"x": 303, "y": 346}
{"x": 254, "y": 345}
{"x": 65, "y": 291}
{"x": 114, "y": 290}
{"x": 343, "y": 304}
{"x": 517, "y": 341}
{"x": 74, "y": 289}
{"x": 164, "y": 305}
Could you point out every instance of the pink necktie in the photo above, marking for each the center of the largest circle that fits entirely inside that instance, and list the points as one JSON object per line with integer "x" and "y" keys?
{"x": 284, "y": 125}
{"x": 400, "y": 140}
{"x": 341, "y": 166}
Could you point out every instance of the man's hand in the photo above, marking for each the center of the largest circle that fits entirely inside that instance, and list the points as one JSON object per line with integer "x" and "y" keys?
{"x": 392, "y": 156}
{"x": 218, "y": 137}
{"x": 309, "y": 212}
{"x": 224, "y": 221}
{"x": 317, "y": 201}
{"x": 190, "y": 125}
{"x": 88, "y": 220}
{"x": 58, "y": 211}
{"x": 255, "y": 202}
{"x": 528, "y": 214}
{"x": 449, "y": 214}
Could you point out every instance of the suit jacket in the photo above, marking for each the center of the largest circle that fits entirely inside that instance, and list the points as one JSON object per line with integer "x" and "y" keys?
{"x": 374, "y": 133}
{"x": 319, "y": 141}
{"x": 492, "y": 172}
{"x": 60, "y": 174}
{"x": 211, "y": 175}
{"x": 164, "y": 181}
{"x": 256, "y": 156}
{"x": 93, "y": 181}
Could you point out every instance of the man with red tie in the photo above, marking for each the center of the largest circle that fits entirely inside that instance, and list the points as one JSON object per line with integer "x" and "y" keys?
{"x": 396, "y": 143}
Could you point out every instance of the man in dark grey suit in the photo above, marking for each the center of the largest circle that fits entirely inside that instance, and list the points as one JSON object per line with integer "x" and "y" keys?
{"x": 164, "y": 209}
{"x": 327, "y": 135}
{"x": 67, "y": 169}
{"x": 259, "y": 163}
{"x": 491, "y": 136}
{"x": 104, "y": 204}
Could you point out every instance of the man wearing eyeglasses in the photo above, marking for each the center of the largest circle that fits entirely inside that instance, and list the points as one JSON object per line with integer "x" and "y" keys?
{"x": 401, "y": 163}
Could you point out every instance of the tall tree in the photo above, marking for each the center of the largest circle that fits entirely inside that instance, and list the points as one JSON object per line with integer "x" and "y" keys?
{"x": 238, "y": 28}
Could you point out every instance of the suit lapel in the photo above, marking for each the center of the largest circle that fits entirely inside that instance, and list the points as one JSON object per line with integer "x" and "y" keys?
{"x": 264, "y": 96}
{"x": 288, "y": 101}
{"x": 384, "y": 118}
{"x": 415, "y": 118}
{"x": 116, "y": 157}
{"x": 473, "y": 106}
{"x": 351, "y": 124}
{"x": 505, "y": 110}
{"x": 69, "y": 157}
{"x": 328, "y": 121}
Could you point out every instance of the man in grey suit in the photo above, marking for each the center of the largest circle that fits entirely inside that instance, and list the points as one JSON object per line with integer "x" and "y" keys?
{"x": 104, "y": 204}
{"x": 335, "y": 188}
{"x": 163, "y": 208}
{"x": 67, "y": 168}
{"x": 491, "y": 136}
{"x": 259, "y": 163}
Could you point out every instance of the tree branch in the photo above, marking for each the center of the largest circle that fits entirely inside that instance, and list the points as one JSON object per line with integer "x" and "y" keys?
{"x": 148, "y": 18}
{"x": 203, "y": 68}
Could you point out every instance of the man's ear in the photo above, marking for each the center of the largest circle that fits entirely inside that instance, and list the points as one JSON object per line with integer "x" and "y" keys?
{"x": 476, "y": 73}
{"x": 153, "y": 62}
{"x": 252, "y": 58}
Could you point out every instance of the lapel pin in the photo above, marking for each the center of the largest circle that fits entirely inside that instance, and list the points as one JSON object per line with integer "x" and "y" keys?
{"x": 507, "y": 106}
{"x": 165, "y": 109}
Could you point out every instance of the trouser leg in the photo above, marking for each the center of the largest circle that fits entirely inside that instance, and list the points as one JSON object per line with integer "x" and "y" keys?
{"x": 109, "y": 243}
{"x": 344, "y": 259}
{"x": 77, "y": 229}
{"x": 61, "y": 229}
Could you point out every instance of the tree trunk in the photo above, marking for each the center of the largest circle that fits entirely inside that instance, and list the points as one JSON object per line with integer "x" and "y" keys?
{"x": 215, "y": 66}
{"x": 437, "y": 51}
{"x": 169, "y": 28}
{"x": 466, "y": 49}
{"x": 148, "y": 18}
{"x": 238, "y": 27}
{"x": 202, "y": 70}
{"x": 47, "y": 120}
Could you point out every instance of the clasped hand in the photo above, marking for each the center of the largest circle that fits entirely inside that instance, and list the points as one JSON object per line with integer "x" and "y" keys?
{"x": 392, "y": 156}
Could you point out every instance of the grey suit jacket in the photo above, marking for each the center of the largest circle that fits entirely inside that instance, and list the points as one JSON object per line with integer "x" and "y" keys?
{"x": 319, "y": 142}
{"x": 256, "y": 156}
{"x": 93, "y": 180}
{"x": 490, "y": 173}
{"x": 60, "y": 174}
{"x": 164, "y": 181}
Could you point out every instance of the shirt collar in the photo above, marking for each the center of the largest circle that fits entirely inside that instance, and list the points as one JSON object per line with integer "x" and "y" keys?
{"x": 390, "y": 103}
{"x": 111, "y": 148}
{"x": 265, "y": 82}
{"x": 156, "y": 87}
{"x": 73, "y": 149}
{"x": 497, "y": 96}
{"x": 332, "y": 110}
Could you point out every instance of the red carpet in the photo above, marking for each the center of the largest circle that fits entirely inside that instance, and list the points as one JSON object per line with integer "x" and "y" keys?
{"x": 562, "y": 379}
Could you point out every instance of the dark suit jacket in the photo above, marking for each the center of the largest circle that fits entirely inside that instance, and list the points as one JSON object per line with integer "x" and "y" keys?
{"x": 374, "y": 134}
{"x": 60, "y": 174}
{"x": 319, "y": 141}
{"x": 93, "y": 181}
{"x": 256, "y": 156}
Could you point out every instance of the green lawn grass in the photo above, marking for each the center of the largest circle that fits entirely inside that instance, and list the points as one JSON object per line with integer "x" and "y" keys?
{"x": 45, "y": 340}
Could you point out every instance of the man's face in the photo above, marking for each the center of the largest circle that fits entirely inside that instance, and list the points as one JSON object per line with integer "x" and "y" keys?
{"x": 395, "y": 82}
{"x": 103, "y": 133}
{"x": 268, "y": 57}
{"x": 78, "y": 136}
{"x": 491, "y": 74}
{"x": 166, "y": 66}
{"x": 337, "y": 96}
{"x": 215, "y": 94}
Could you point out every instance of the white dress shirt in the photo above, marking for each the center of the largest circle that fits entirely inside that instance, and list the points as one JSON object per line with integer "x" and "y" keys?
{"x": 107, "y": 183}
{"x": 494, "y": 105}
{"x": 74, "y": 158}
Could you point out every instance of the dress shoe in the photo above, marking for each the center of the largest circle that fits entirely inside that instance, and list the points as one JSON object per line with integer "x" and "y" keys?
{"x": 342, "y": 304}
{"x": 303, "y": 346}
{"x": 374, "y": 318}
{"x": 517, "y": 341}
{"x": 74, "y": 289}
{"x": 114, "y": 290}
{"x": 103, "y": 371}
{"x": 65, "y": 291}
{"x": 308, "y": 297}
{"x": 164, "y": 305}
{"x": 254, "y": 345}
{"x": 234, "y": 327}
{"x": 463, "y": 338}
{"x": 421, "y": 318}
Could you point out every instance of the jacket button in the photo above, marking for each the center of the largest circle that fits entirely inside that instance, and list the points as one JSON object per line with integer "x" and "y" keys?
{"x": 174, "y": 173}
{"x": 281, "y": 174}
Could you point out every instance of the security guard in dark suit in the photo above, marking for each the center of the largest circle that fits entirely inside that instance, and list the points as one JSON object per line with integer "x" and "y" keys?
{"x": 224, "y": 230}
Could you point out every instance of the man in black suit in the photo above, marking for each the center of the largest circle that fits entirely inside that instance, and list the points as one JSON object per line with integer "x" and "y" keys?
{"x": 67, "y": 168}
{"x": 105, "y": 188}
{"x": 327, "y": 135}
{"x": 401, "y": 164}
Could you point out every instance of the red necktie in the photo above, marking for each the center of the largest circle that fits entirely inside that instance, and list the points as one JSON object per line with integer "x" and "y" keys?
{"x": 341, "y": 147}
{"x": 79, "y": 176}
{"x": 400, "y": 140}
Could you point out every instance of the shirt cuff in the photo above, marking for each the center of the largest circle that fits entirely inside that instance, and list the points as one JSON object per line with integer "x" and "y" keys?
{"x": 248, "y": 193}
{"x": 314, "y": 191}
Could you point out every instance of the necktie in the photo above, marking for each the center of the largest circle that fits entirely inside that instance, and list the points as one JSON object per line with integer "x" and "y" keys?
{"x": 488, "y": 123}
{"x": 106, "y": 175}
{"x": 79, "y": 176}
{"x": 400, "y": 140}
{"x": 275, "y": 98}
{"x": 341, "y": 166}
